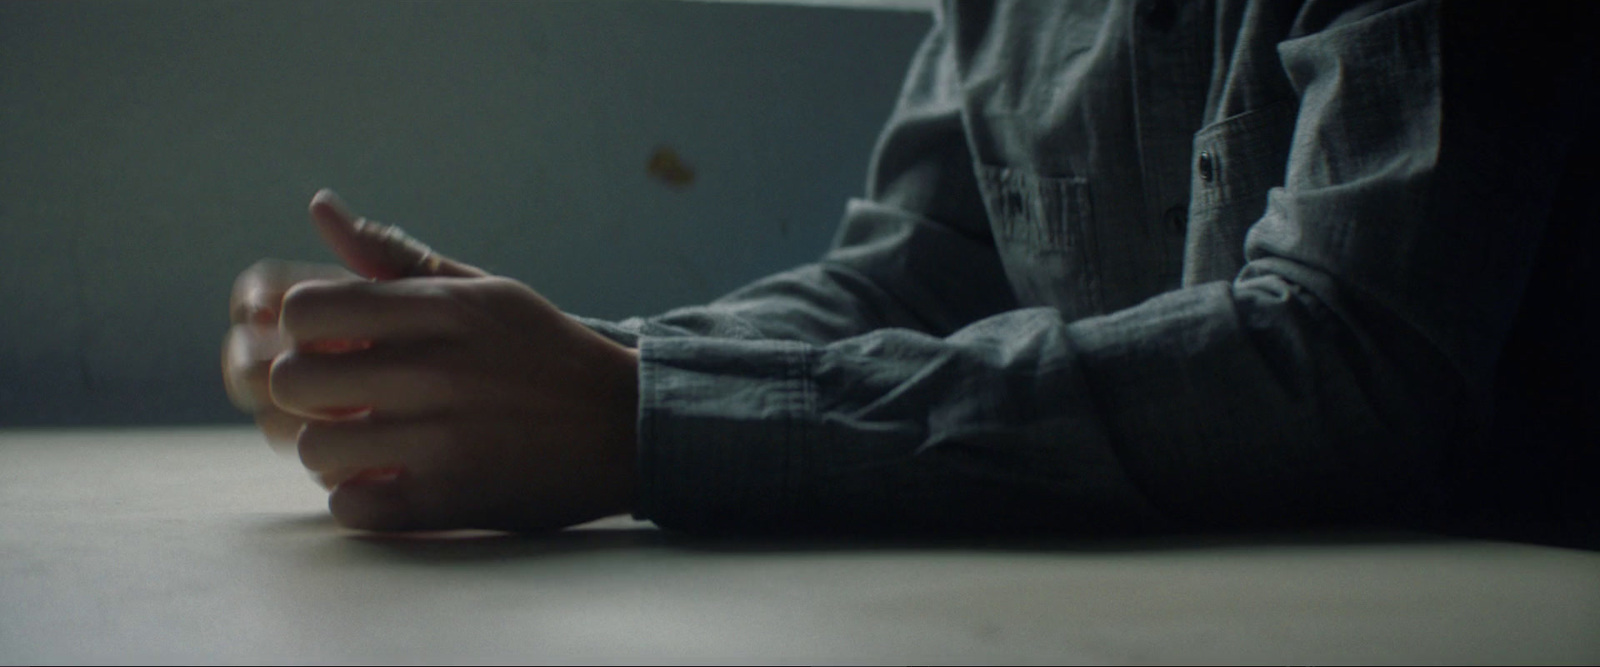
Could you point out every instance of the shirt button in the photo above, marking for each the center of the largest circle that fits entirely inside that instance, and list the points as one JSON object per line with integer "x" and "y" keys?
{"x": 1177, "y": 217}
{"x": 1207, "y": 166}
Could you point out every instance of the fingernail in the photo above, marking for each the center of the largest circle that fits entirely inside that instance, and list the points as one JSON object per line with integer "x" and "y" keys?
{"x": 346, "y": 413}
{"x": 331, "y": 199}
{"x": 336, "y": 345}
{"x": 375, "y": 476}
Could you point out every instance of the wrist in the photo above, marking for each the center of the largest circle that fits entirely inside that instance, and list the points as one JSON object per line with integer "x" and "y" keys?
{"x": 624, "y": 445}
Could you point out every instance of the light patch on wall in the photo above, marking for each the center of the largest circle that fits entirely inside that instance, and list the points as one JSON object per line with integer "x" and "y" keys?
{"x": 901, "y": 5}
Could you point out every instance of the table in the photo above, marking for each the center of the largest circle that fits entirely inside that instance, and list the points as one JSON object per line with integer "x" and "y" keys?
{"x": 201, "y": 545}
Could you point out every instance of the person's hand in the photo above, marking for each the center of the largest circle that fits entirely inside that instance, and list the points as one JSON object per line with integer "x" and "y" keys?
{"x": 374, "y": 250}
{"x": 437, "y": 396}
{"x": 253, "y": 341}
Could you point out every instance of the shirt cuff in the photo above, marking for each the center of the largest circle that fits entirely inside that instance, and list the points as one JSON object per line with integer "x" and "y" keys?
{"x": 624, "y": 333}
{"x": 722, "y": 430}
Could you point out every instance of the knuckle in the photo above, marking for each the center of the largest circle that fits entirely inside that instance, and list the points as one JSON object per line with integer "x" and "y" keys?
{"x": 492, "y": 296}
{"x": 254, "y": 287}
{"x": 503, "y": 290}
{"x": 298, "y": 299}
{"x": 498, "y": 284}
{"x": 243, "y": 300}
{"x": 247, "y": 387}
{"x": 312, "y": 447}
{"x": 303, "y": 304}
{"x": 362, "y": 508}
{"x": 281, "y": 378}
{"x": 296, "y": 309}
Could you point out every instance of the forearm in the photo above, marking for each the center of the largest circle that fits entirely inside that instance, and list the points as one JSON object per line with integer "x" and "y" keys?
{"x": 1222, "y": 404}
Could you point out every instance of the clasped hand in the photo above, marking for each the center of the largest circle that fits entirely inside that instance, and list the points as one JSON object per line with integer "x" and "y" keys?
{"x": 427, "y": 394}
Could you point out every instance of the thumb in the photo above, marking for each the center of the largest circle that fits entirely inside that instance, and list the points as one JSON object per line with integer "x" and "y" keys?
{"x": 376, "y": 250}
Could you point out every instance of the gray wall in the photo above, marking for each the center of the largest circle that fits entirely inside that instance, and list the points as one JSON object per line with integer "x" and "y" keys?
{"x": 151, "y": 150}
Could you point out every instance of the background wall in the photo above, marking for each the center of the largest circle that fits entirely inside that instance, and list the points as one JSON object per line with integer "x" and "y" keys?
{"x": 150, "y": 151}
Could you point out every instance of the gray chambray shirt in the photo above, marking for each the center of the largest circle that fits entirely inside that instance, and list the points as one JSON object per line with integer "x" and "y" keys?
{"x": 1136, "y": 263}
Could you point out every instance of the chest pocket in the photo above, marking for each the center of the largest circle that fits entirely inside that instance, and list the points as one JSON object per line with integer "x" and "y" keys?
{"x": 1236, "y": 161}
{"x": 1043, "y": 229}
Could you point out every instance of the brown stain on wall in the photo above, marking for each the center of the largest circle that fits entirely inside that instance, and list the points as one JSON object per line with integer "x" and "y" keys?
{"x": 668, "y": 168}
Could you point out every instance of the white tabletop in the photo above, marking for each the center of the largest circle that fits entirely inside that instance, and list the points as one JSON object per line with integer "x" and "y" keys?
{"x": 200, "y": 545}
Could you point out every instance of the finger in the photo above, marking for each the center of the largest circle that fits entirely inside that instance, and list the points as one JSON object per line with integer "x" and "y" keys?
{"x": 372, "y": 444}
{"x": 280, "y": 428}
{"x": 377, "y": 250}
{"x": 247, "y": 354}
{"x": 247, "y": 366}
{"x": 258, "y": 291}
{"x": 394, "y": 381}
{"x": 374, "y": 505}
{"x": 361, "y": 310}
{"x": 396, "y": 500}
{"x": 330, "y": 479}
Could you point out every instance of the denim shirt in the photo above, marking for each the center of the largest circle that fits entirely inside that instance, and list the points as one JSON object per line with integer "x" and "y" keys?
{"x": 1138, "y": 263}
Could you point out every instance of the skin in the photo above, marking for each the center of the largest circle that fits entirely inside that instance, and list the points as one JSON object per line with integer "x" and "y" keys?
{"x": 427, "y": 394}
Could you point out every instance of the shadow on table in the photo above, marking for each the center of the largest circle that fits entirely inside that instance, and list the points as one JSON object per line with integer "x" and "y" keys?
{"x": 465, "y": 545}
{"x": 1585, "y": 537}
{"x": 1086, "y": 544}
{"x": 486, "y": 546}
